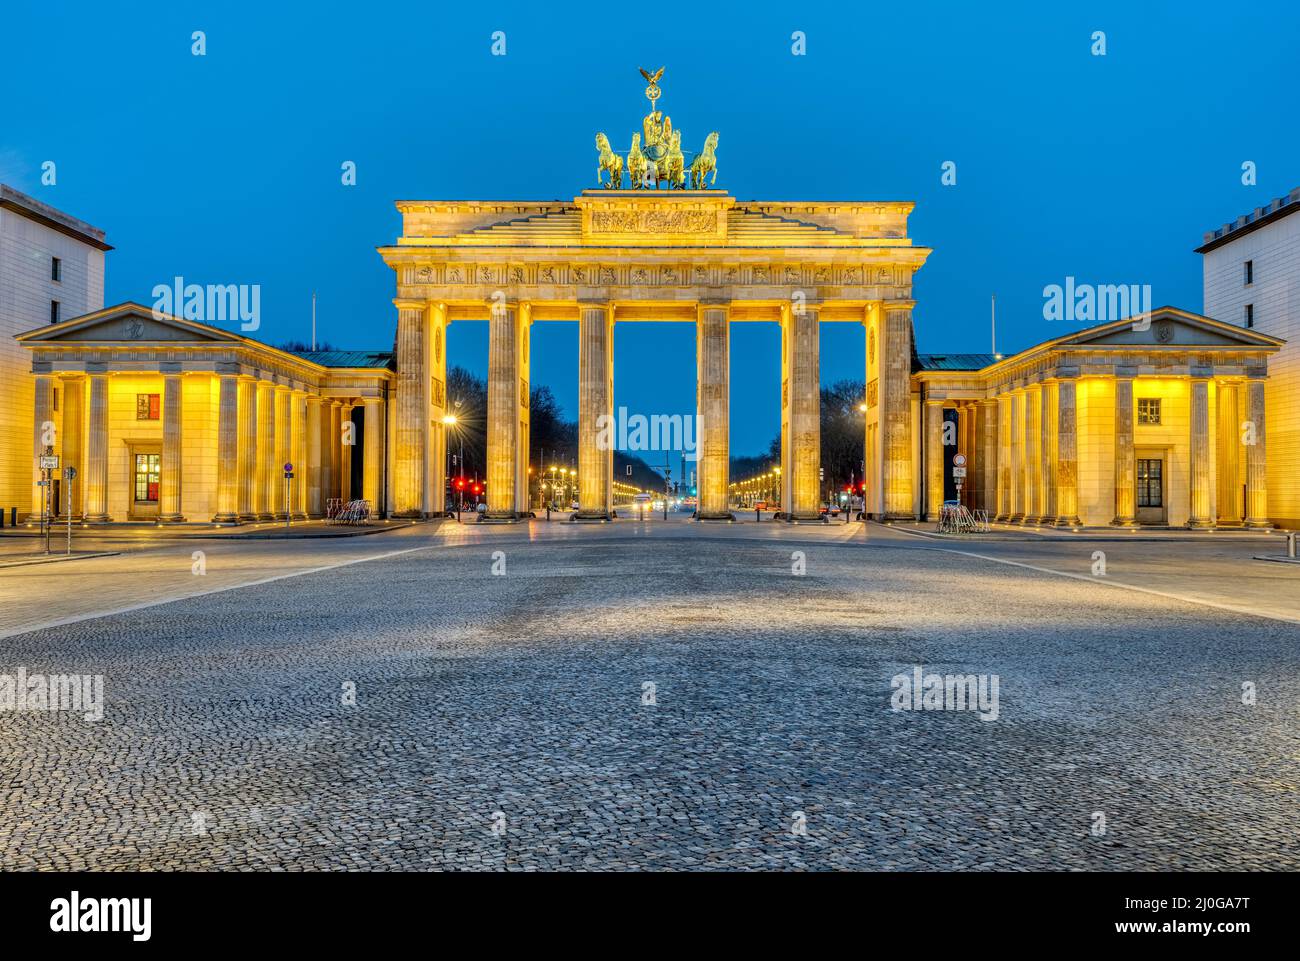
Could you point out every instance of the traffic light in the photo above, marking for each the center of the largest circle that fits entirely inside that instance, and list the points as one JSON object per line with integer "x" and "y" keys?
{"x": 460, "y": 483}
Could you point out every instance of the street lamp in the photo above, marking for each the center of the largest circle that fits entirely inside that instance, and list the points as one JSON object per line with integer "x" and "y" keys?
{"x": 454, "y": 423}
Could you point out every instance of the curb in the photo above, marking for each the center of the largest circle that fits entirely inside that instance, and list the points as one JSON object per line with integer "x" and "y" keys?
{"x": 55, "y": 558}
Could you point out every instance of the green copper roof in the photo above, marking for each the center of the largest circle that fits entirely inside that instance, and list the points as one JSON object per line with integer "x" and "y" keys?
{"x": 955, "y": 361}
{"x": 349, "y": 358}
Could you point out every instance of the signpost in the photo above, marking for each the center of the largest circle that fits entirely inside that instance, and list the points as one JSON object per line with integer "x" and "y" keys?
{"x": 288, "y": 478}
{"x": 959, "y": 472}
{"x": 69, "y": 475}
{"x": 49, "y": 464}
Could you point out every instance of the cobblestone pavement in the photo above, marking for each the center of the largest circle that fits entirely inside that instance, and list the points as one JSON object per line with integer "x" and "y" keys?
{"x": 499, "y": 721}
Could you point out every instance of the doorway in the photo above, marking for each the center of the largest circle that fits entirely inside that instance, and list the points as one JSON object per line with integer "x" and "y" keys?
{"x": 1151, "y": 488}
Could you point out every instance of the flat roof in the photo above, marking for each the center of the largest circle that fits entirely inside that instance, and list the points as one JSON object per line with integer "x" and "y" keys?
{"x": 55, "y": 219}
{"x": 1274, "y": 210}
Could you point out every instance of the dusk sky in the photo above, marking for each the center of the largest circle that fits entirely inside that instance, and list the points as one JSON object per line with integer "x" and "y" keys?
{"x": 225, "y": 168}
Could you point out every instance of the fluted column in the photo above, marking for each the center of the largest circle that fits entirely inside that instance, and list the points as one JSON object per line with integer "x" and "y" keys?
{"x": 934, "y": 459}
{"x": 988, "y": 455}
{"x": 347, "y": 443}
{"x": 523, "y": 411}
{"x": 227, "y": 449}
{"x": 298, "y": 457}
{"x": 1256, "y": 481}
{"x": 1033, "y": 454}
{"x": 370, "y": 440}
{"x": 596, "y": 428}
{"x": 266, "y": 471}
{"x": 801, "y": 400}
{"x": 74, "y": 420}
{"x": 1067, "y": 454}
{"x": 1047, "y": 457}
{"x": 169, "y": 481}
{"x": 1229, "y": 462}
{"x": 252, "y": 422}
{"x": 1202, "y": 512}
{"x": 1125, "y": 465}
{"x": 1017, "y": 441}
{"x": 96, "y": 474}
{"x": 896, "y": 410}
{"x": 1004, "y": 507}
{"x": 435, "y": 465}
{"x": 283, "y": 450}
{"x": 44, "y": 437}
{"x": 713, "y": 411}
{"x": 412, "y": 408}
{"x": 315, "y": 472}
{"x": 331, "y": 452}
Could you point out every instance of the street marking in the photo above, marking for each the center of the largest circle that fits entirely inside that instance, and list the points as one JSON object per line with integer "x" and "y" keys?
{"x": 1128, "y": 587}
{"x": 77, "y": 618}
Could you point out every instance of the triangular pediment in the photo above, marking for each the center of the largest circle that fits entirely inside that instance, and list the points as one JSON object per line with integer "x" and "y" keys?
{"x": 1168, "y": 327}
{"x": 128, "y": 323}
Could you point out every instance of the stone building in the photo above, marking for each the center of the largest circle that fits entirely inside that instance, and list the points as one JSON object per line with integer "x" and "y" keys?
{"x": 51, "y": 268}
{"x": 1252, "y": 280}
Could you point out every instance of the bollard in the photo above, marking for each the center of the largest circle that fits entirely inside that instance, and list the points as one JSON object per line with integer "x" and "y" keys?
{"x": 1290, "y": 544}
{"x": 758, "y": 516}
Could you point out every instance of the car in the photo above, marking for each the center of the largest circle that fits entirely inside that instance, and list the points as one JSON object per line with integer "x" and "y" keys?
{"x": 761, "y": 506}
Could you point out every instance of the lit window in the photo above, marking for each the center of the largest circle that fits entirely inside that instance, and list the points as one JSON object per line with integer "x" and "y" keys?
{"x": 147, "y": 406}
{"x": 1150, "y": 489}
{"x": 1250, "y": 272}
{"x": 56, "y": 269}
{"x": 147, "y": 475}
{"x": 1148, "y": 410}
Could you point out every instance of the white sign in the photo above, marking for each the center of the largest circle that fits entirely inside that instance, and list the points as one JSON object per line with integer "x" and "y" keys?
{"x": 959, "y": 472}
{"x": 958, "y": 460}
{"x": 49, "y": 462}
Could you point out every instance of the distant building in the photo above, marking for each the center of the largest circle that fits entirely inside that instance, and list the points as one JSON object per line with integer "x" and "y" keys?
{"x": 1252, "y": 279}
{"x": 51, "y": 269}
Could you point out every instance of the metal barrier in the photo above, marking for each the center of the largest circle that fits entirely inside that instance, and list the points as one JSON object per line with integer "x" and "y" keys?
{"x": 351, "y": 512}
{"x": 955, "y": 518}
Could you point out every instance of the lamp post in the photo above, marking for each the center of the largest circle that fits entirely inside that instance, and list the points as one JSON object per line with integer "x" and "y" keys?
{"x": 451, "y": 421}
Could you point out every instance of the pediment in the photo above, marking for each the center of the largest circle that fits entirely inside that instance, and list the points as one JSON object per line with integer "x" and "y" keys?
{"x": 1168, "y": 327}
{"x": 128, "y": 323}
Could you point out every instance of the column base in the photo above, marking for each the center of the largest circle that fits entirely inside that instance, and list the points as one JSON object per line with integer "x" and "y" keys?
{"x": 1031, "y": 520}
{"x": 796, "y": 518}
{"x": 1067, "y": 522}
{"x": 98, "y": 518}
{"x": 716, "y": 516}
{"x": 1015, "y": 519}
{"x": 170, "y": 519}
{"x": 1200, "y": 525}
{"x": 1124, "y": 522}
{"x": 252, "y": 518}
{"x": 299, "y": 516}
{"x": 1258, "y": 522}
{"x": 501, "y": 518}
{"x": 227, "y": 518}
{"x": 578, "y": 517}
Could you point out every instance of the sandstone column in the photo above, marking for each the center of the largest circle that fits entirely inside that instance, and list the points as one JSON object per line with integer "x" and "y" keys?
{"x": 896, "y": 409}
{"x": 44, "y": 436}
{"x": 331, "y": 432}
{"x": 435, "y": 465}
{"x": 253, "y": 428}
{"x": 315, "y": 473}
{"x": 347, "y": 441}
{"x": 1067, "y": 454}
{"x": 228, "y": 450}
{"x": 712, "y": 405}
{"x": 298, "y": 433}
{"x": 1256, "y": 482}
{"x": 1202, "y": 515}
{"x": 988, "y": 456}
{"x": 169, "y": 481}
{"x": 283, "y": 449}
{"x": 74, "y": 420}
{"x": 503, "y": 413}
{"x": 1033, "y": 401}
{"x": 934, "y": 459}
{"x": 370, "y": 438}
{"x": 523, "y": 413}
{"x": 266, "y": 472}
{"x": 96, "y": 476}
{"x": 596, "y": 428}
{"x": 1125, "y": 466}
{"x": 1005, "y": 508}
{"x": 1229, "y": 423}
{"x": 1016, "y": 440}
{"x": 412, "y": 409}
{"x": 1050, "y": 428}
{"x": 802, "y": 398}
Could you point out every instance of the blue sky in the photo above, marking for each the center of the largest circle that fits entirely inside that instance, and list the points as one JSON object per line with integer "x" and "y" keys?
{"x": 226, "y": 168}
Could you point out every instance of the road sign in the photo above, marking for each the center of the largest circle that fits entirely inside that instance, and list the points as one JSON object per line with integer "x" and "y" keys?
{"x": 958, "y": 460}
{"x": 69, "y": 473}
{"x": 49, "y": 462}
{"x": 959, "y": 472}
{"x": 288, "y": 468}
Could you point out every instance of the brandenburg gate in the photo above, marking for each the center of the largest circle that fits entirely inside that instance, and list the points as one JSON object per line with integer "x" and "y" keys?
{"x": 660, "y": 250}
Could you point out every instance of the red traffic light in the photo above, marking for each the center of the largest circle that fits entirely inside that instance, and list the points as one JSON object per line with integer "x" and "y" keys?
{"x": 460, "y": 484}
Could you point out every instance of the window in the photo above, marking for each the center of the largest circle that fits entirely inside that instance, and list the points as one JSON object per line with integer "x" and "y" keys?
{"x": 56, "y": 269}
{"x": 1250, "y": 315}
{"x": 147, "y": 475}
{"x": 54, "y": 399}
{"x": 1250, "y": 272}
{"x": 147, "y": 406}
{"x": 1150, "y": 490}
{"x": 1149, "y": 410}
{"x": 54, "y": 311}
